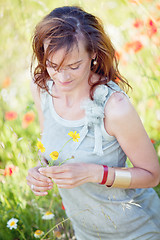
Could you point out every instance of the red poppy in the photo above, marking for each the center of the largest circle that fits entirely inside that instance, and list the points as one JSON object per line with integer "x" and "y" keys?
{"x": 152, "y": 28}
{"x": 153, "y": 141}
{"x": 63, "y": 208}
{"x": 138, "y": 23}
{"x": 117, "y": 80}
{"x": 135, "y": 46}
{"x": 27, "y": 119}
{"x": 8, "y": 171}
{"x": 11, "y": 115}
{"x": 117, "y": 55}
{"x": 6, "y": 83}
{"x": 158, "y": 6}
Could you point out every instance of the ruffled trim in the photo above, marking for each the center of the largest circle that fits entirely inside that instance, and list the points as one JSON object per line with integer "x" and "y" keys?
{"x": 95, "y": 109}
{"x": 94, "y": 114}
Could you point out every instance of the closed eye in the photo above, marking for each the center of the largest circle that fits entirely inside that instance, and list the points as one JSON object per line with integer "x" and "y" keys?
{"x": 74, "y": 68}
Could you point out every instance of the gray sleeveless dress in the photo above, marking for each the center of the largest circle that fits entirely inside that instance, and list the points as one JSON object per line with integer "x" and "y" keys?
{"x": 98, "y": 212}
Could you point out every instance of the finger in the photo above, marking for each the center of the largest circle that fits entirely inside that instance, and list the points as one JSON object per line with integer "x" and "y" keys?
{"x": 39, "y": 193}
{"x": 38, "y": 183}
{"x": 53, "y": 169}
{"x": 39, "y": 176}
{"x": 39, "y": 189}
{"x": 62, "y": 175}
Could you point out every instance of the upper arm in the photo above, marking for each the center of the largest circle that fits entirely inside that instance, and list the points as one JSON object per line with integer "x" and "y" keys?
{"x": 123, "y": 122}
{"x": 36, "y": 97}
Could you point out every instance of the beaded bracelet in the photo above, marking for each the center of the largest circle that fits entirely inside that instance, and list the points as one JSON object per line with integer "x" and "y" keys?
{"x": 105, "y": 175}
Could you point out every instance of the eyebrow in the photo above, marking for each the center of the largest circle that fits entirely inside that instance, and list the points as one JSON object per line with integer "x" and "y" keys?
{"x": 68, "y": 64}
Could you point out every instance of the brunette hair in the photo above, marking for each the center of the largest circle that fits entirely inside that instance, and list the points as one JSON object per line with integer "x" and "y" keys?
{"x": 63, "y": 27}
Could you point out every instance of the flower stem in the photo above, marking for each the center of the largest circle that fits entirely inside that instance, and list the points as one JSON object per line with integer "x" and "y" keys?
{"x": 65, "y": 145}
{"x": 21, "y": 233}
{"x": 65, "y": 161}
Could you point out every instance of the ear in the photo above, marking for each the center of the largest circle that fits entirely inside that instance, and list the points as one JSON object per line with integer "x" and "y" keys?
{"x": 93, "y": 55}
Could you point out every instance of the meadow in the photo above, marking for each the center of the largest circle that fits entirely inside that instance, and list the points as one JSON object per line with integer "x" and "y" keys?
{"x": 133, "y": 26}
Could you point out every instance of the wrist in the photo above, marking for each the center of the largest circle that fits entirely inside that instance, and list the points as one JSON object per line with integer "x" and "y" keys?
{"x": 111, "y": 176}
{"x": 96, "y": 173}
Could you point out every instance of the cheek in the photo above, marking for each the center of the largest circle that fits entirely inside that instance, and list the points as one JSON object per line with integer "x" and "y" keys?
{"x": 50, "y": 71}
{"x": 85, "y": 70}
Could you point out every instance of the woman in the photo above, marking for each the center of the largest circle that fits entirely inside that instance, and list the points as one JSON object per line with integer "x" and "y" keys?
{"x": 74, "y": 90}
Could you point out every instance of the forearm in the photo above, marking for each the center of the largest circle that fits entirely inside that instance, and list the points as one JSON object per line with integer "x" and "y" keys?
{"x": 140, "y": 178}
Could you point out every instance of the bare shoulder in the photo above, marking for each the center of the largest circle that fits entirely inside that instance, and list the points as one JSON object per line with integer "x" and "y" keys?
{"x": 34, "y": 90}
{"x": 118, "y": 106}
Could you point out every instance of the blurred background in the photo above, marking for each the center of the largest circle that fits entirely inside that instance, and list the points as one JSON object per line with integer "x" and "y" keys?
{"x": 133, "y": 26}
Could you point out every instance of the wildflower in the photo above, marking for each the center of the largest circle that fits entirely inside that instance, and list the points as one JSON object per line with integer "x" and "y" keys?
{"x": 135, "y": 46}
{"x": 9, "y": 170}
{"x": 6, "y": 83}
{"x": 158, "y": 6}
{"x": 152, "y": 28}
{"x": 38, "y": 233}
{"x": 28, "y": 118}
{"x": 40, "y": 146}
{"x": 48, "y": 215}
{"x": 12, "y": 223}
{"x": 117, "y": 80}
{"x": 153, "y": 141}
{"x": 158, "y": 60}
{"x": 62, "y": 206}
{"x": 138, "y": 23}
{"x": 54, "y": 155}
{"x": 74, "y": 135}
{"x": 118, "y": 55}
{"x": 135, "y": 1}
{"x": 11, "y": 115}
{"x": 57, "y": 234}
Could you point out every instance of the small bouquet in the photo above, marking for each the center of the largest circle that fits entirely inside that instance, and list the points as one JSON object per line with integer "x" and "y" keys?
{"x": 54, "y": 155}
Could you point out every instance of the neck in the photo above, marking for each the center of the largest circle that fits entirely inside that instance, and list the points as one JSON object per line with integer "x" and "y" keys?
{"x": 73, "y": 97}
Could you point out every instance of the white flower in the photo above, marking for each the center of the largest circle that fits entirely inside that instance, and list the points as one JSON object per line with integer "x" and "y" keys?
{"x": 38, "y": 233}
{"x": 48, "y": 215}
{"x": 12, "y": 223}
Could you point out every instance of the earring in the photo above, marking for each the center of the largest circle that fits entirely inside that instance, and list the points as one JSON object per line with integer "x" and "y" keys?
{"x": 94, "y": 62}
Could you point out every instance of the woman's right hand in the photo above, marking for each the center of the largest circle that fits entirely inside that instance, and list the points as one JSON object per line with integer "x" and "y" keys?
{"x": 38, "y": 183}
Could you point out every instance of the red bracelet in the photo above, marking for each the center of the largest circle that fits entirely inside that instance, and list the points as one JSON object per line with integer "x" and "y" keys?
{"x": 105, "y": 174}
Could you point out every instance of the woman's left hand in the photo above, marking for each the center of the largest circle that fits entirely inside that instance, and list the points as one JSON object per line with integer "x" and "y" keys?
{"x": 73, "y": 175}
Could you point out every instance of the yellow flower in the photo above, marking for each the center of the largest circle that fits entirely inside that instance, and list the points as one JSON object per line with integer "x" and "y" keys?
{"x": 48, "y": 215}
{"x": 54, "y": 155}
{"x": 40, "y": 146}
{"x": 74, "y": 135}
{"x": 38, "y": 233}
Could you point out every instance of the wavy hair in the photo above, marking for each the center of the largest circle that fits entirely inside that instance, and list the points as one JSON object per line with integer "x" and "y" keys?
{"x": 62, "y": 28}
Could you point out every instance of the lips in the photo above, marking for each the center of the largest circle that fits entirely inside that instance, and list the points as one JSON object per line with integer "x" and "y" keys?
{"x": 65, "y": 83}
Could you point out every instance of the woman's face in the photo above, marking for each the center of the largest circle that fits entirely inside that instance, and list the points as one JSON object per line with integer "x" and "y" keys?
{"x": 75, "y": 69}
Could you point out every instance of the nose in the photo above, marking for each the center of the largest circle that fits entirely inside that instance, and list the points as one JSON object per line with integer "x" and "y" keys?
{"x": 63, "y": 76}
